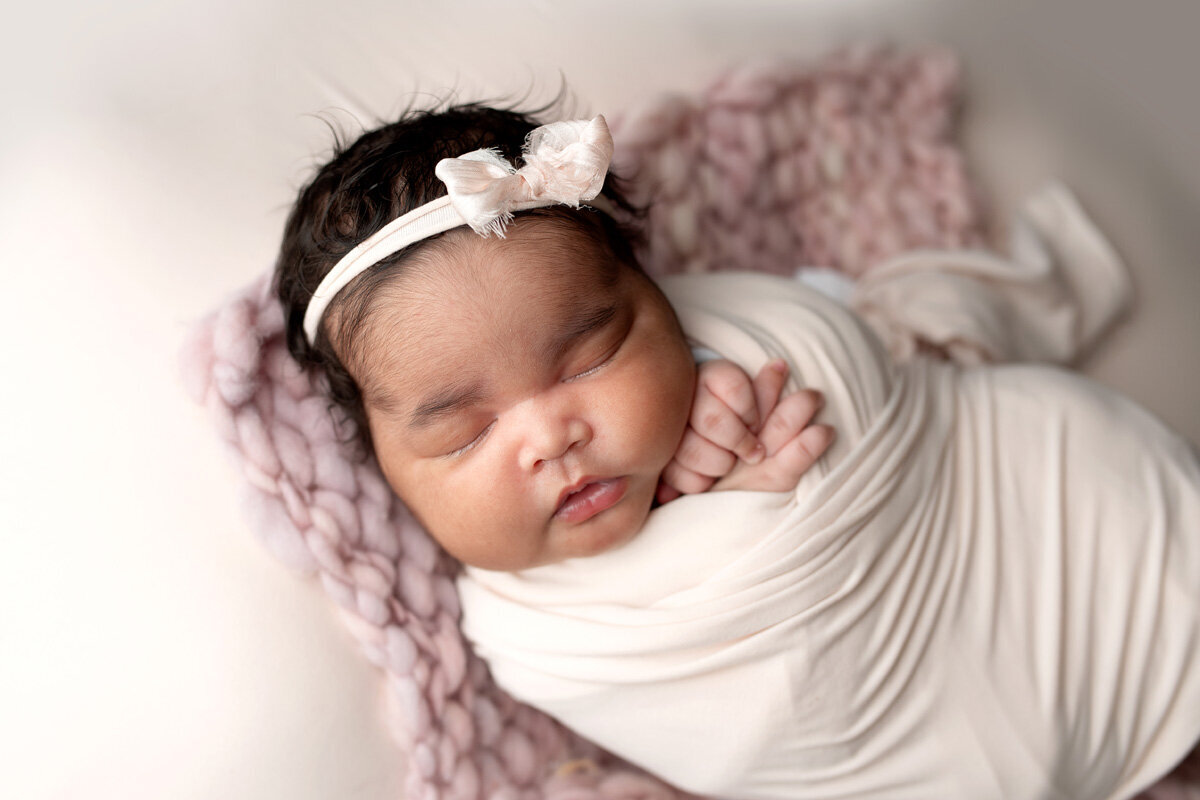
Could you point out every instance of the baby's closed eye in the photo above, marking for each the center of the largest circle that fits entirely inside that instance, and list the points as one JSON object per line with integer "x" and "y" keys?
{"x": 589, "y": 366}
{"x": 595, "y": 350}
{"x": 471, "y": 442}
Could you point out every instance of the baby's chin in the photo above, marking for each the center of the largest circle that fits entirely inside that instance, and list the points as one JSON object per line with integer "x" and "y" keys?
{"x": 608, "y": 531}
{"x": 609, "y": 540}
{"x": 584, "y": 542}
{"x": 621, "y": 528}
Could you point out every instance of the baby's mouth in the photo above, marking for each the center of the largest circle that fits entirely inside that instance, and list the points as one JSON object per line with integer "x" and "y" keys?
{"x": 589, "y": 497}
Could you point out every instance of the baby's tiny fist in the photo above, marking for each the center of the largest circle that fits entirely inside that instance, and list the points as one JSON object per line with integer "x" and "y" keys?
{"x": 792, "y": 443}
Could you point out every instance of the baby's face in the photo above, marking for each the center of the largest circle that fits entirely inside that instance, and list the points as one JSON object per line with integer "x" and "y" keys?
{"x": 525, "y": 394}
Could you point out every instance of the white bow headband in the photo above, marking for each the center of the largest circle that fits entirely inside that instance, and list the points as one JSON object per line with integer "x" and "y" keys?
{"x": 565, "y": 164}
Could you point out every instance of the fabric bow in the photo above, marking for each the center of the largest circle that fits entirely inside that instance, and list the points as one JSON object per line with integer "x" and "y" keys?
{"x": 565, "y": 163}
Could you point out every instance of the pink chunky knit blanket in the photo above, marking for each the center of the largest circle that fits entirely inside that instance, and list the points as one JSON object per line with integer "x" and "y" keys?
{"x": 841, "y": 164}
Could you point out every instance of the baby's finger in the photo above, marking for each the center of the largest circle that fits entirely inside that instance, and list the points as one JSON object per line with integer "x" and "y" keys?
{"x": 665, "y": 493}
{"x": 730, "y": 384}
{"x": 721, "y": 426}
{"x": 797, "y": 456}
{"x": 789, "y": 418}
{"x": 683, "y": 480}
{"x": 697, "y": 454}
{"x": 768, "y": 384}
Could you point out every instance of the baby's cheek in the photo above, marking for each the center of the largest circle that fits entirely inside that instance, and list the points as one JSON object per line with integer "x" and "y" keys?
{"x": 678, "y": 391}
{"x": 430, "y": 496}
{"x": 490, "y": 497}
{"x": 467, "y": 519}
{"x": 662, "y": 415}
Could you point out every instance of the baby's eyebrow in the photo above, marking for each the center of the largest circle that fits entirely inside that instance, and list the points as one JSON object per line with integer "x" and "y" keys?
{"x": 449, "y": 401}
{"x": 578, "y": 326}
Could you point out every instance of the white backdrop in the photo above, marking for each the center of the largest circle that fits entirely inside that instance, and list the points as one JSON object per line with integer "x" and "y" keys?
{"x": 148, "y": 647}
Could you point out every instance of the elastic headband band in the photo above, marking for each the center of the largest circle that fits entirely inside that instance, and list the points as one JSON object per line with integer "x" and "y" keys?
{"x": 565, "y": 164}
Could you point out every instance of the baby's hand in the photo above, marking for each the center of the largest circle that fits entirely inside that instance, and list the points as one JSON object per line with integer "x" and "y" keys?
{"x": 792, "y": 445}
{"x": 722, "y": 436}
{"x": 721, "y": 428}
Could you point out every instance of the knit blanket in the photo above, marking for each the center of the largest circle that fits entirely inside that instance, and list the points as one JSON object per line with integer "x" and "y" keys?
{"x": 839, "y": 163}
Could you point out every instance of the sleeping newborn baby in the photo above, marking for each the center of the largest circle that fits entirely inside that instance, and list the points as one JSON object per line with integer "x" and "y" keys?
{"x": 988, "y": 586}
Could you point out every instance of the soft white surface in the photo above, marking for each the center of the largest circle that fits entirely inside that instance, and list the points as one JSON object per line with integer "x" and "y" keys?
{"x": 149, "y": 150}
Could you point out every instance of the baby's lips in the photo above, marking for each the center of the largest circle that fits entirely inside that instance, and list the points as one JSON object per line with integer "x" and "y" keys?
{"x": 590, "y": 499}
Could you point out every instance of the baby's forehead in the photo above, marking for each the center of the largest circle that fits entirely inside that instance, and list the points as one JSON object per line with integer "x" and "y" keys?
{"x": 539, "y": 263}
{"x": 491, "y": 277}
{"x": 475, "y": 298}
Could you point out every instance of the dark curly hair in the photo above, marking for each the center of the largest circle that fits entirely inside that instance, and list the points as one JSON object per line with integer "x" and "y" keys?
{"x": 385, "y": 173}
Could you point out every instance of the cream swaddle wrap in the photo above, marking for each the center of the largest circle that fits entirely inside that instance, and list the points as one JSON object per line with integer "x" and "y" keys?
{"x": 989, "y": 587}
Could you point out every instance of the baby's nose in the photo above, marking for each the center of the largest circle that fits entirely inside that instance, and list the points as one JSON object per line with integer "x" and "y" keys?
{"x": 550, "y": 432}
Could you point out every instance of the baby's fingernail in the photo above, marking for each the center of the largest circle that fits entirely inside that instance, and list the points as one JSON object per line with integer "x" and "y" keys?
{"x": 756, "y": 455}
{"x": 778, "y": 364}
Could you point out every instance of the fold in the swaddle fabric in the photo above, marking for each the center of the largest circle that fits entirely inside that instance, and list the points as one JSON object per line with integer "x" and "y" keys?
{"x": 989, "y": 587}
